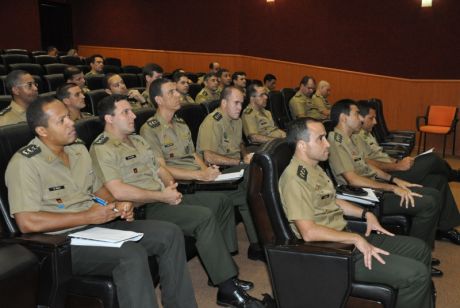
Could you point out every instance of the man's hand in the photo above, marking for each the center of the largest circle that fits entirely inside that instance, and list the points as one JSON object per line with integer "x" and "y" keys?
{"x": 374, "y": 225}
{"x": 209, "y": 174}
{"x": 98, "y": 214}
{"x": 247, "y": 158}
{"x": 403, "y": 184}
{"x": 405, "y": 164}
{"x": 370, "y": 251}
{"x": 407, "y": 196}
{"x": 171, "y": 195}
{"x": 136, "y": 95}
{"x": 126, "y": 210}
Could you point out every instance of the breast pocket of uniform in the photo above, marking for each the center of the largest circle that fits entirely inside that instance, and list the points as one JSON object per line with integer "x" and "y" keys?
{"x": 130, "y": 165}
{"x": 56, "y": 195}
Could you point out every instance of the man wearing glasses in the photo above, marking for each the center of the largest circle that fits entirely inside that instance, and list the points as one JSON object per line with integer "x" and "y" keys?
{"x": 258, "y": 125}
{"x": 23, "y": 89}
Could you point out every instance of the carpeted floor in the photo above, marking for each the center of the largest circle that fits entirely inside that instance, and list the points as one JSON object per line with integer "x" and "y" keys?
{"x": 447, "y": 286}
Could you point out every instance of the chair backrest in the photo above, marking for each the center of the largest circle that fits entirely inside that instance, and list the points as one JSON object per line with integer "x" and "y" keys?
{"x": 131, "y": 80}
{"x": 112, "y": 61}
{"x": 441, "y": 115}
{"x": 55, "y": 68}
{"x": 41, "y": 84}
{"x": 279, "y": 111}
{"x": 38, "y": 53}
{"x": 5, "y": 100}
{"x": 45, "y": 59}
{"x": 95, "y": 82}
{"x": 54, "y": 81}
{"x": 111, "y": 69}
{"x": 92, "y": 98}
{"x": 193, "y": 115}
{"x": 193, "y": 77}
{"x": 266, "y": 167}
{"x": 142, "y": 115}
{"x": 71, "y": 60}
{"x": 287, "y": 94}
{"x": 194, "y": 89}
{"x": 2, "y": 70}
{"x": 84, "y": 68}
{"x": 8, "y": 59}
{"x": 16, "y": 51}
{"x": 131, "y": 69}
{"x": 31, "y": 68}
{"x": 88, "y": 129}
{"x": 141, "y": 78}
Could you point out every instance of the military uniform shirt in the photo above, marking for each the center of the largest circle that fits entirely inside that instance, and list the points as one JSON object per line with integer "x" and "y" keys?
{"x": 318, "y": 105}
{"x": 219, "y": 91}
{"x": 12, "y": 114}
{"x": 370, "y": 147}
{"x": 259, "y": 122}
{"x": 220, "y": 134}
{"x": 174, "y": 143}
{"x": 83, "y": 115}
{"x": 116, "y": 160}
{"x": 38, "y": 180}
{"x": 146, "y": 95}
{"x": 298, "y": 105}
{"x": 345, "y": 156}
{"x": 307, "y": 193}
{"x": 91, "y": 73}
{"x": 205, "y": 96}
{"x": 186, "y": 99}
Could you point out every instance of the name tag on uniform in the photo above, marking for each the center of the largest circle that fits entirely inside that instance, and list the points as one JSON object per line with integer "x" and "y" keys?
{"x": 130, "y": 157}
{"x": 168, "y": 145}
{"x": 55, "y": 188}
{"x": 325, "y": 197}
{"x": 358, "y": 159}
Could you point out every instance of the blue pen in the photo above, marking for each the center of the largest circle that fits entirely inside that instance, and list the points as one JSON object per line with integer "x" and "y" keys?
{"x": 101, "y": 202}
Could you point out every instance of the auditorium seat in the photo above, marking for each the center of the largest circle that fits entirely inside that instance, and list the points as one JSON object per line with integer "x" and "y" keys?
{"x": 141, "y": 78}
{"x": 16, "y": 51}
{"x": 130, "y": 80}
{"x": 194, "y": 89}
{"x": 40, "y": 84}
{"x": 211, "y": 106}
{"x": 48, "y": 94}
{"x": 45, "y": 59}
{"x": 38, "y": 53}
{"x": 3, "y": 90}
{"x": 111, "y": 69}
{"x": 287, "y": 94}
{"x": 31, "y": 68}
{"x": 131, "y": 69}
{"x": 92, "y": 98}
{"x": 193, "y": 115}
{"x": 193, "y": 77}
{"x": 278, "y": 109}
{"x": 95, "y": 82}
{"x": 71, "y": 60}
{"x": 142, "y": 116}
{"x": 112, "y": 61}
{"x": 5, "y": 100}
{"x": 55, "y": 68}
{"x": 53, "y": 81}
{"x": 2, "y": 70}
{"x": 8, "y": 59}
{"x": 84, "y": 68}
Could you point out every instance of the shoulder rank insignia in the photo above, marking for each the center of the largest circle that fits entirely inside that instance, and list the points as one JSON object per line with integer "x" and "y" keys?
{"x": 217, "y": 116}
{"x": 302, "y": 172}
{"x": 179, "y": 120}
{"x": 204, "y": 93}
{"x": 78, "y": 141}
{"x": 5, "y": 111}
{"x": 338, "y": 137}
{"x": 248, "y": 111}
{"x": 101, "y": 140}
{"x": 30, "y": 150}
{"x": 153, "y": 123}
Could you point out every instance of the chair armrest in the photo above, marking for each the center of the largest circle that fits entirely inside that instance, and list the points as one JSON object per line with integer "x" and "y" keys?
{"x": 319, "y": 273}
{"x": 417, "y": 121}
{"x": 394, "y": 143}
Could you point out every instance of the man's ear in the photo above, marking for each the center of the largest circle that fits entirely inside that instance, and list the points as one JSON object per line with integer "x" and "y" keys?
{"x": 108, "y": 91}
{"x": 158, "y": 99}
{"x": 41, "y": 131}
{"x": 108, "y": 118}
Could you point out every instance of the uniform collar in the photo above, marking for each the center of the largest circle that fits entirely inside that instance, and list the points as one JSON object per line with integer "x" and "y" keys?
{"x": 47, "y": 155}
{"x": 17, "y": 108}
{"x": 301, "y": 94}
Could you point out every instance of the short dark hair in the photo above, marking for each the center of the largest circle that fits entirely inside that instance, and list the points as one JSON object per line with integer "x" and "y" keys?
{"x": 177, "y": 70}
{"x": 236, "y": 74}
{"x": 252, "y": 89}
{"x": 269, "y": 77}
{"x": 149, "y": 68}
{"x": 178, "y": 75}
{"x": 13, "y": 79}
{"x": 227, "y": 91}
{"x": 63, "y": 91}
{"x": 35, "y": 114}
{"x": 211, "y": 65}
{"x": 50, "y": 48}
{"x": 92, "y": 58}
{"x": 71, "y": 71}
{"x": 305, "y": 79}
{"x": 105, "y": 80}
{"x": 342, "y": 106}
{"x": 221, "y": 71}
{"x": 107, "y": 105}
{"x": 209, "y": 75}
{"x": 298, "y": 130}
{"x": 364, "y": 107}
{"x": 155, "y": 89}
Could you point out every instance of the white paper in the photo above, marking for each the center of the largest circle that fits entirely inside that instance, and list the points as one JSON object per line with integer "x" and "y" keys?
{"x": 230, "y": 176}
{"x": 426, "y": 152}
{"x": 369, "y": 199}
{"x": 103, "y": 237}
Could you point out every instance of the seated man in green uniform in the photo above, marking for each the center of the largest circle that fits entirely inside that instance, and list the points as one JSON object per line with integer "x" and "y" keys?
{"x": 269, "y": 83}
{"x": 114, "y": 84}
{"x": 225, "y": 79}
{"x": 182, "y": 86}
{"x": 72, "y": 96}
{"x": 239, "y": 81}
{"x": 73, "y": 74}
{"x": 209, "y": 92}
{"x": 150, "y": 72}
{"x": 50, "y": 182}
{"x": 170, "y": 140}
{"x": 23, "y": 89}
{"x": 220, "y": 143}
{"x": 429, "y": 170}
{"x": 96, "y": 62}
{"x": 258, "y": 125}
{"x": 300, "y": 103}
{"x": 320, "y": 108}
{"x": 308, "y": 198}
{"x": 126, "y": 165}
{"x": 400, "y": 197}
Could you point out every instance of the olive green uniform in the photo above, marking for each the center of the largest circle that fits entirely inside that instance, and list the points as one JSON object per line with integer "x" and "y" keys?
{"x": 345, "y": 156}
{"x": 136, "y": 165}
{"x": 67, "y": 190}
{"x": 222, "y": 135}
{"x": 146, "y": 95}
{"x": 308, "y": 194}
{"x": 428, "y": 170}
{"x": 186, "y": 99}
{"x": 12, "y": 114}
{"x": 83, "y": 115}
{"x": 91, "y": 74}
{"x": 174, "y": 143}
{"x": 299, "y": 105}
{"x": 219, "y": 91}
{"x": 318, "y": 105}
{"x": 206, "y": 95}
{"x": 259, "y": 122}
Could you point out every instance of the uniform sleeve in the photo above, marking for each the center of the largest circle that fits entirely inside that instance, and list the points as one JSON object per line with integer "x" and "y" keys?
{"x": 151, "y": 137}
{"x": 24, "y": 187}
{"x": 297, "y": 200}
{"x": 339, "y": 159}
{"x": 105, "y": 163}
{"x": 209, "y": 138}
{"x": 319, "y": 104}
{"x": 249, "y": 124}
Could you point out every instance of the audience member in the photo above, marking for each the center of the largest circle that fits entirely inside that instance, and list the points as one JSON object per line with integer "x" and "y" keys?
{"x": 300, "y": 102}
{"x": 96, "y": 62}
{"x": 72, "y": 96}
{"x": 151, "y": 72}
{"x": 182, "y": 86}
{"x": 73, "y": 74}
{"x": 114, "y": 84}
{"x": 239, "y": 81}
{"x": 209, "y": 92}
{"x": 320, "y": 108}
{"x": 270, "y": 82}
{"x": 225, "y": 80}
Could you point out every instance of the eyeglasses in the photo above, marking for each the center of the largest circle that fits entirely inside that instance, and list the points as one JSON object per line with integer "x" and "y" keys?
{"x": 28, "y": 85}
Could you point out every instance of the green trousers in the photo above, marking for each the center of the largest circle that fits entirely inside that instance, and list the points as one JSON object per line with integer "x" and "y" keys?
{"x": 407, "y": 268}
{"x": 200, "y": 223}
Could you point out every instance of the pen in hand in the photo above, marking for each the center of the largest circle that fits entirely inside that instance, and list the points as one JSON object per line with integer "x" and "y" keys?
{"x": 101, "y": 202}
